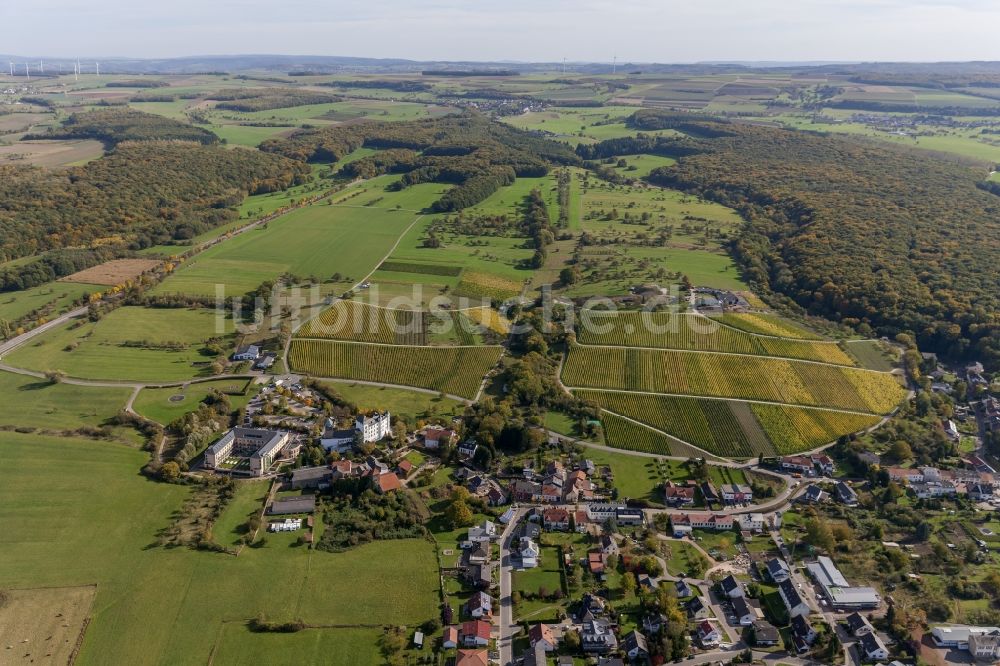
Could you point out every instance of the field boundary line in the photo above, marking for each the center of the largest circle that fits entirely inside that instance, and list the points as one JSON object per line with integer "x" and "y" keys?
{"x": 390, "y": 344}
{"x": 407, "y": 387}
{"x": 664, "y": 433}
{"x": 719, "y": 322}
{"x": 741, "y": 354}
{"x": 715, "y": 397}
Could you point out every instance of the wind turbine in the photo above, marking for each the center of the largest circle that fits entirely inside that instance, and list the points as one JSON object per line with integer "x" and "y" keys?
{"x": 26, "y": 72}
{"x": 614, "y": 63}
{"x": 12, "y": 69}
{"x": 41, "y": 66}
{"x": 97, "y": 68}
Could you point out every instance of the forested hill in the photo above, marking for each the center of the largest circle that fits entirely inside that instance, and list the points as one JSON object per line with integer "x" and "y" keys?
{"x": 871, "y": 235}
{"x": 114, "y": 125}
{"x": 477, "y": 155}
{"x": 139, "y": 195}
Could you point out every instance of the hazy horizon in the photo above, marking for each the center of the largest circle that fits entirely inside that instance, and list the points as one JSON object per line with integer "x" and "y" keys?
{"x": 647, "y": 31}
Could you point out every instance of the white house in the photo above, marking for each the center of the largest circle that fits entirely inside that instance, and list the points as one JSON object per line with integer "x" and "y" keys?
{"x": 794, "y": 602}
{"x": 248, "y": 353}
{"x": 374, "y": 427}
{"x": 872, "y": 647}
{"x": 528, "y": 550}
{"x": 753, "y": 522}
{"x": 485, "y": 531}
{"x": 708, "y": 633}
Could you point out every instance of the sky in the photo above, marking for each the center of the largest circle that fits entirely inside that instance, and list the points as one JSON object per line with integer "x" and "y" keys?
{"x": 663, "y": 31}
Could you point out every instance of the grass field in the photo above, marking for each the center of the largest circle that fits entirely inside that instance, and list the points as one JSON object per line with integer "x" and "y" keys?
{"x": 166, "y": 404}
{"x": 53, "y": 299}
{"x": 44, "y": 623}
{"x": 334, "y": 647}
{"x": 734, "y": 429}
{"x": 725, "y": 376}
{"x": 54, "y": 544}
{"x": 318, "y": 241}
{"x": 104, "y": 350}
{"x": 873, "y": 354}
{"x": 36, "y": 402}
{"x": 669, "y": 330}
{"x": 455, "y": 370}
{"x": 401, "y": 402}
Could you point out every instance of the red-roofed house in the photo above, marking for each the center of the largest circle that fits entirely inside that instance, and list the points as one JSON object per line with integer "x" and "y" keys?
{"x": 450, "y": 639}
{"x": 543, "y": 634}
{"x": 676, "y": 495}
{"x": 556, "y": 519}
{"x": 580, "y": 521}
{"x": 386, "y": 483}
{"x": 472, "y": 658}
{"x": 435, "y": 437}
{"x": 404, "y": 468}
{"x": 474, "y": 633}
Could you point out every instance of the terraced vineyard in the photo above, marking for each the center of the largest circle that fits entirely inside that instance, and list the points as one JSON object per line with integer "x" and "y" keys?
{"x": 347, "y": 320}
{"x": 795, "y": 429}
{"x": 725, "y": 376}
{"x": 623, "y": 434}
{"x": 455, "y": 370}
{"x": 669, "y": 330}
{"x": 487, "y": 285}
{"x": 767, "y": 324}
{"x": 731, "y": 429}
{"x": 712, "y": 425}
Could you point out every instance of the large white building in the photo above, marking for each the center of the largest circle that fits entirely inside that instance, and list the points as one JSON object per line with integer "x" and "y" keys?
{"x": 260, "y": 448}
{"x": 374, "y": 427}
{"x": 841, "y": 594}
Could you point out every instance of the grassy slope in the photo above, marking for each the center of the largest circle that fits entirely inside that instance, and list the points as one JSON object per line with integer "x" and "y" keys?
{"x": 156, "y": 404}
{"x": 100, "y": 355}
{"x": 176, "y": 600}
{"x": 36, "y": 402}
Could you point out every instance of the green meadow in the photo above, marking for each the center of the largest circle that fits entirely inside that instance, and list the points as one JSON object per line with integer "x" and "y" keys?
{"x": 130, "y": 343}
{"x": 98, "y": 525}
{"x": 318, "y": 240}
{"x": 37, "y": 402}
{"x": 164, "y": 405}
{"x": 412, "y": 405}
{"x": 56, "y": 297}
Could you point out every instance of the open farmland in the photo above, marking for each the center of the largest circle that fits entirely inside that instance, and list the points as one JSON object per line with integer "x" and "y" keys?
{"x": 53, "y": 545}
{"x": 767, "y": 324}
{"x": 32, "y": 402}
{"x": 624, "y": 434}
{"x": 117, "y": 271}
{"x": 731, "y": 376}
{"x": 455, "y": 370}
{"x": 318, "y": 240}
{"x": 733, "y": 429}
{"x": 129, "y": 343}
{"x": 46, "y": 300}
{"x": 694, "y": 332}
{"x": 46, "y": 624}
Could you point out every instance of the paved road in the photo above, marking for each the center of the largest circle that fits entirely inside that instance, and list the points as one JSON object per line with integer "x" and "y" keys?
{"x": 507, "y": 626}
{"x": 19, "y": 340}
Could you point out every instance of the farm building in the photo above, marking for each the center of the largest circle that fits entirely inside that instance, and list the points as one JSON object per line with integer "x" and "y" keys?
{"x": 301, "y": 504}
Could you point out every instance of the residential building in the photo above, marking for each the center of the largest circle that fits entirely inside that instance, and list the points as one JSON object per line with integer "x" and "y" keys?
{"x": 765, "y": 634}
{"x": 608, "y": 545}
{"x": 683, "y": 589}
{"x": 529, "y": 552}
{"x": 736, "y": 493}
{"x": 247, "y": 450}
{"x": 813, "y": 495}
{"x": 744, "y": 612}
{"x": 629, "y": 517}
{"x": 596, "y": 562}
{"x": 683, "y": 523}
{"x": 467, "y": 449}
{"x": 484, "y": 531}
{"x": 635, "y": 646}
{"x": 336, "y": 439}
{"x": 846, "y": 494}
{"x": 385, "y": 483}
{"x": 598, "y": 637}
{"x": 777, "y": 570}
{"x": 857, "y": 624}
{"x": 556, "y": 519}
{"x": 374, "y": 427}
{"x": 678, "y": 495}
{"x": 474, "y": 633}
{"x": 872, "y": 648}
{"x": 753, "y": 522}
{"x": 709, "y": 493}
{"x": 479, "y": 605}
{"x": 450, "y": 638}
{"x": 985, "y": 646}
{"x": 731, "y": 587}
{"x": 803, "y": 630}
{"x": 697, "y": 609}
{"x": 708, "y": 633}
{"x": 794, "y": 603}
{"x": 248, "y": 353}
{"x": 542, "y": 634}
{"x": 601, "y": 512}
{"x": 435, "y": 437}
{"x": 823, "y": 463}
{"x": 472, "y": 658}
{"x": 580, "y": 521}
{"x": 797, "y": 464}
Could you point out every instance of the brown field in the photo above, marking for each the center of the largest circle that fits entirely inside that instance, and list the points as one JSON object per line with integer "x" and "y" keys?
{"x": 113, "y": 272}
{"x": 51, "y": 153}
{"x": 19, "y": 122}
{"x": 44, "y": 625}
